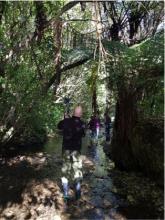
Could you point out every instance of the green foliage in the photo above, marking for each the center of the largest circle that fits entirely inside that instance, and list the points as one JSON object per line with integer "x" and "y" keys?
{"x": 92, "y": 80}
{"x": 28, "y": 62}
{"x": 139, "y": 67}
{"x": 25, "y": 65}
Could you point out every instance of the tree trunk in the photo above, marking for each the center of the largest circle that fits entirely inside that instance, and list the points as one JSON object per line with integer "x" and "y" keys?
{"x": 108, "y": 95}
{"x": 114, "y": 32}
{"x": 125, "y": 121}
{"x": 40, "y": 20}
{"x": 58, "y": 44}
{"x": 94, "y": 101}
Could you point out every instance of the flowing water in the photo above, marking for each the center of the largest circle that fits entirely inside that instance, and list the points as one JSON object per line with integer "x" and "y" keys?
{"x": 99, "y": 200}
{"x": 30, "y": 186}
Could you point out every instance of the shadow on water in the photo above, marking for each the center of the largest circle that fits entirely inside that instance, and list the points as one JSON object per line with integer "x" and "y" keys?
{"x": 38, "y": 171}
{"x": 22, "y": 174}
{"x": 102, "y": 195}
{"x": 98, "y": 200}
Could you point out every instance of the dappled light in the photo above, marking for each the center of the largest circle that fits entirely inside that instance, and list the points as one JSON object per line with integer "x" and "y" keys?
{"x": 81, "y": 110}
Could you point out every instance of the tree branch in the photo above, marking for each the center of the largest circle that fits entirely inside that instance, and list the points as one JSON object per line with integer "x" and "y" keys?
{"x": 67, "y": 7}
{"x": 54, "y": 78}
{"x": 84, "y": 20}
{"x": 72, "y": 65}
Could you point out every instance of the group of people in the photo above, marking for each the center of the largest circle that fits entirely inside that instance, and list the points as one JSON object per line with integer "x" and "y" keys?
{"x": 73, "y": 130}
{"x": 95, "y": 124}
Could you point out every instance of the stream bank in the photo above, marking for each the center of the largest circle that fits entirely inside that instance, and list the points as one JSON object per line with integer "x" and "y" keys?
{"x": 30, "y": 188}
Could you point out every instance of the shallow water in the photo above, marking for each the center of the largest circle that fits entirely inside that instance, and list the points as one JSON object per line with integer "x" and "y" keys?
{"x": 40, "y": 169}
{"x": 104, "y": 203}
{"x": 102, "y": 195}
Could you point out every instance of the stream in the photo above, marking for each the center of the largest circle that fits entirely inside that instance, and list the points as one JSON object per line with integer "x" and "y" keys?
{"x": 30, "y": 186}
{"x": 98, "y": 200}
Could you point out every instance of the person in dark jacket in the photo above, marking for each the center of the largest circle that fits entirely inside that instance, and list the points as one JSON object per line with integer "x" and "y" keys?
{"x": 73, "y": 130}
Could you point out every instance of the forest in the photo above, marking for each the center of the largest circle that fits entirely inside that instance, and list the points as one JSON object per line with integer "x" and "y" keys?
{"x": 106, "y": 56}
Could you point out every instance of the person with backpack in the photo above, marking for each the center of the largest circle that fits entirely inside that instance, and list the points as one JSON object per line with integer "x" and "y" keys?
{"x": 73, "y": 130}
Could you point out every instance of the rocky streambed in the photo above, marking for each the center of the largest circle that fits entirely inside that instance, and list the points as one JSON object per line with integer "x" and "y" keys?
{"x": 30, "y": 188}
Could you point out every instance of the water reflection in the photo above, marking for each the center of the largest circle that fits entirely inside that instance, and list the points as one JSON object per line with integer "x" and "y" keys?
{"x": 54, "y": 145}
{"x": 90, "y": 148}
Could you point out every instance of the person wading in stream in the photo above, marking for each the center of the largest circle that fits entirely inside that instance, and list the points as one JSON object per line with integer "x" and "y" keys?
{"x": 73, "y": 130}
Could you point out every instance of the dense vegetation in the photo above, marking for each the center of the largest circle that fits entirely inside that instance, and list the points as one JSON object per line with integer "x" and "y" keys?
{"x": 107, "y": 56}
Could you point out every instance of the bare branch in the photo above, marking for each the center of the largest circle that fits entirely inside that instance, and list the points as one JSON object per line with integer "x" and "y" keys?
{"x": 54, "y": 78}
{"x": 67, "y": 7}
